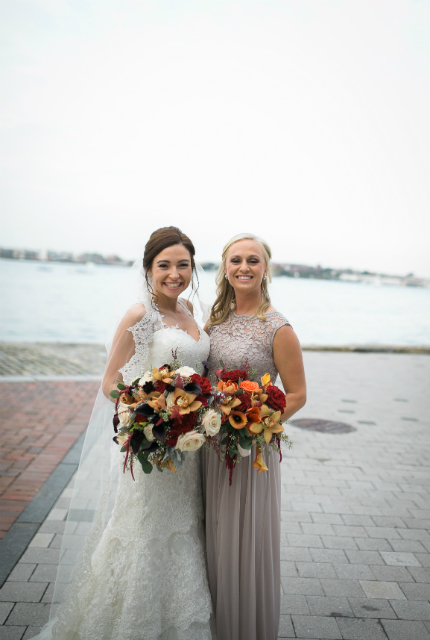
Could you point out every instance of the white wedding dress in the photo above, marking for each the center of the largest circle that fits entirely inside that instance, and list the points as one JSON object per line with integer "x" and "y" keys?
{"x": 147, "y": 577}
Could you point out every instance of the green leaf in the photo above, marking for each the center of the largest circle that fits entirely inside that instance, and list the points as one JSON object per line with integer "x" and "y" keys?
{"x": 229, "y": 429}
{"x": 244, "y": 436}
{"x": 121, "y": 386}
{"x": 246, "y": 444}
{"x": 224, "y": 440}
{"x": 114, "y": 394}
{"x": 232, "y": 452}
{"x": 146, "y": 465}
{"x": 123, "y": 450}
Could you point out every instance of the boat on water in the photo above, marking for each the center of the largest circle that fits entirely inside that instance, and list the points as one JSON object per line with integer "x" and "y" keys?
{"x": 89, "y": 269}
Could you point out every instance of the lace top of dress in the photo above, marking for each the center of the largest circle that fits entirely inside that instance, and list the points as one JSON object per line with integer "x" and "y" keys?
{"x": 156, "y": 342}
{"x": 245, "y": 337}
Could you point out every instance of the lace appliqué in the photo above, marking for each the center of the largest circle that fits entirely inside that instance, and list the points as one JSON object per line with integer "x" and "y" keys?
{"x": 146, "y": 574}
{"x": 246, "y": 337}
{"x": 142, "y": 333}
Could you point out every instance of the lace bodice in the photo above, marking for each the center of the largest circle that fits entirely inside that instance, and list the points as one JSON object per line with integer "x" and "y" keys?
{"x": 243, "y": 337}
{"x": 154, "y": 342}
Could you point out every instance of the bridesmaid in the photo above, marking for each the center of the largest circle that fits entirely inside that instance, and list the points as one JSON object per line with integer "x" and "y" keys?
{"x": 243, "y": 520}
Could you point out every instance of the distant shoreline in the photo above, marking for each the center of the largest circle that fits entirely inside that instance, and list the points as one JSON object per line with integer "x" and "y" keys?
{"x": 87, "y": 261}
{"x": 371, "y": 348}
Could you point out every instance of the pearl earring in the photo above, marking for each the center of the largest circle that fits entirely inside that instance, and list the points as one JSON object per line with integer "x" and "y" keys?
{"x": 225, "y": 276}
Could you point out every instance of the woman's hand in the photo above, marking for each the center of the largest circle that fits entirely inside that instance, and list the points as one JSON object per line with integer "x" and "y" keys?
{"x": 287, "y": 355}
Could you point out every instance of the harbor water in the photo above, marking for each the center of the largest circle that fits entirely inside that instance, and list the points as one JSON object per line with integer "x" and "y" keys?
{"x": 57, "y": 302}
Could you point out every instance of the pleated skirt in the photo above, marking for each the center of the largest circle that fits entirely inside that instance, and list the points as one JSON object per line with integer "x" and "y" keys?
{"x": 243, "y": 538}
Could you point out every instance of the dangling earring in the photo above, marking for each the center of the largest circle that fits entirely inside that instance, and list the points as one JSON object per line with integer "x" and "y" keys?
{"x": 225, "y": 276}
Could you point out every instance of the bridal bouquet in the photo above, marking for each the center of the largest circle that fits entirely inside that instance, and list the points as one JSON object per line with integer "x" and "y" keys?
{"x": 162, "y": 415}
{"x": 251, "y": 415}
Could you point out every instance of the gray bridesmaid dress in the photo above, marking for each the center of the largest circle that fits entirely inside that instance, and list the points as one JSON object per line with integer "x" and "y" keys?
{"x": 243, "y": 520}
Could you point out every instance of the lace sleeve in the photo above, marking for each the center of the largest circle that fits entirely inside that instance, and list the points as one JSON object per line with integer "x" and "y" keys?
{"x": 130, "y": 346}
{"x": 142, "y": 333}
{"x": 275, "y": 322}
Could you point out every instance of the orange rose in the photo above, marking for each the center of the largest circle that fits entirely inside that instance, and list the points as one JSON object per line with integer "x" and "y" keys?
{"x": 249, "y": 386}
{"x": 228, "y": 387}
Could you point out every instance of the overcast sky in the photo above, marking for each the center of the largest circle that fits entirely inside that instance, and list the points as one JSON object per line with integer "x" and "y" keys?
{"x": 303, "y": 121}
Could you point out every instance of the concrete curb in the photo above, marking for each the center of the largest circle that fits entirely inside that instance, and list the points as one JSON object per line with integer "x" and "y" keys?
{"x": 65, "y": 378}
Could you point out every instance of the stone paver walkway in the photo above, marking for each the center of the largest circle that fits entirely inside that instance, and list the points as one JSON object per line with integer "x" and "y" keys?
{"x": 53, "y": 359}
{"x": 355, "y": 511}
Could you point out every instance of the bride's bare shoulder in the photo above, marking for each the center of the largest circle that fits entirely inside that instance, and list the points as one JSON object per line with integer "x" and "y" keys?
{"x": 134, "y": 314}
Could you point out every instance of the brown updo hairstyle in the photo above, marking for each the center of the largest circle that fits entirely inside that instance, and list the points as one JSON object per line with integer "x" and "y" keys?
{"x": 162, "y": 239}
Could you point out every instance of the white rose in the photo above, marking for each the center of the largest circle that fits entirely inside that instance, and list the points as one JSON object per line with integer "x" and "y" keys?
{"x": 170, "y": 400}
{"x": 185, "y": 372}
{"x": 190, "y": 441}
{"x": 211, "y": 422}
{"x": 244, "y": 452}
{"x": 148, "y": 433}
{"x": 124, "y": 414}
{"x": 147, "y": 377}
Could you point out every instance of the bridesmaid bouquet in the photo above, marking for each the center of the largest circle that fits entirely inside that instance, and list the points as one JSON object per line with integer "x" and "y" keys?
{"x": 162, "y": 415}
{"x": 251, "y": 415}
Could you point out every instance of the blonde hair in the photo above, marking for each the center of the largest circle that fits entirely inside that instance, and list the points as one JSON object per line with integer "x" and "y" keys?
{"x": 225, "y": 292}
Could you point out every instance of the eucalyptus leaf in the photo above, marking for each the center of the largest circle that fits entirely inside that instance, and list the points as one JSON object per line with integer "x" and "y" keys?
{"x": 146, "y": 465}
{"x": 121, "y": 386}
{"x": 114, "y": 394}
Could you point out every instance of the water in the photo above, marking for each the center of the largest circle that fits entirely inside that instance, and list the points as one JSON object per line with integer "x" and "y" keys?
{"x": 63, "y": 304}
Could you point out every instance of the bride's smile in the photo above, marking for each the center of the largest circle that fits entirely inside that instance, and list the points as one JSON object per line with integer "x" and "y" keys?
{"x": 171, "y": 274}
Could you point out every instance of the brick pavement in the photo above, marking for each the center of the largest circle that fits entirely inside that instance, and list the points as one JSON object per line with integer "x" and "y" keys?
{"x": 39, "y": 422}
{"x": 355, "y": 512}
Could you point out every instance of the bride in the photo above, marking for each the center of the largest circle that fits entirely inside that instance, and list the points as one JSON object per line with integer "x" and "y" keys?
{"x": 133, "y": 560}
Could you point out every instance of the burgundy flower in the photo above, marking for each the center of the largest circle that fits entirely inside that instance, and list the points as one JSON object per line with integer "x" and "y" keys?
{"x": 189, "y": 421}
{"x": 276, "y": 398}
{"x": 204, "y": 383}
{"x": 201, "y": 398}
{"x": 161, "y": 386}
{"x": 233, "y": 375}
{"x": 245, "y": 404}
